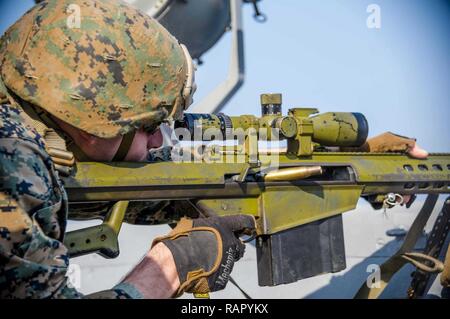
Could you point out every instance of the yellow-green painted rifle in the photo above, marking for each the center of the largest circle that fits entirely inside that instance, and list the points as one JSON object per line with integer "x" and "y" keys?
{"x": 298, "y": 201}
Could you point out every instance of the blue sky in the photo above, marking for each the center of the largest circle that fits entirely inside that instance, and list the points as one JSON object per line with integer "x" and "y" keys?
{"x": 321, "y": 54}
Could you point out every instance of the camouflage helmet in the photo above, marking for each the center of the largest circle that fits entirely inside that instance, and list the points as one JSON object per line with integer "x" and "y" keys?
{"x": 99, "y": 65}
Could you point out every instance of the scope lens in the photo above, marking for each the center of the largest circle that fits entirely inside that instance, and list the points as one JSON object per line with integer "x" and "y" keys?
{"x": 340, "y": 129}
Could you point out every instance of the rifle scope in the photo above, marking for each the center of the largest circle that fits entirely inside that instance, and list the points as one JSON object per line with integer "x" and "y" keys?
{"x": 327, "y": 129}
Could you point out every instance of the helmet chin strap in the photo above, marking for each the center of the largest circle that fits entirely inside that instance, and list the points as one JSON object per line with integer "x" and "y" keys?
{"x": 124, "y": 147}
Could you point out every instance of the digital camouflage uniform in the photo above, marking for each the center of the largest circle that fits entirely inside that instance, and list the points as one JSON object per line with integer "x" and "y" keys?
{"x": 33, "y": 213}
{"x": 118, "y": 71}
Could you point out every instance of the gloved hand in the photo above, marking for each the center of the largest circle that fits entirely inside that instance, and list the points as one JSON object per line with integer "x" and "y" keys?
{"x": 386, "y": 142}
{"x": 205, "y": 249}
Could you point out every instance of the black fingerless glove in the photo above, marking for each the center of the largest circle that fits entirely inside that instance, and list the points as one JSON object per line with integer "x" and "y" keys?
{"x": 205, "y": 249}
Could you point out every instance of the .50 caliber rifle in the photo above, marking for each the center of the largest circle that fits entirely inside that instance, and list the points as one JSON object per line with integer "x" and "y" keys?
{"x": 297, "y": 195}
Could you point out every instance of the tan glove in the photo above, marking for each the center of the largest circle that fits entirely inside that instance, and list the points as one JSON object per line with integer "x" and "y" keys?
{"x": 386, "y": 142}
{"x": 205, "y": 250}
